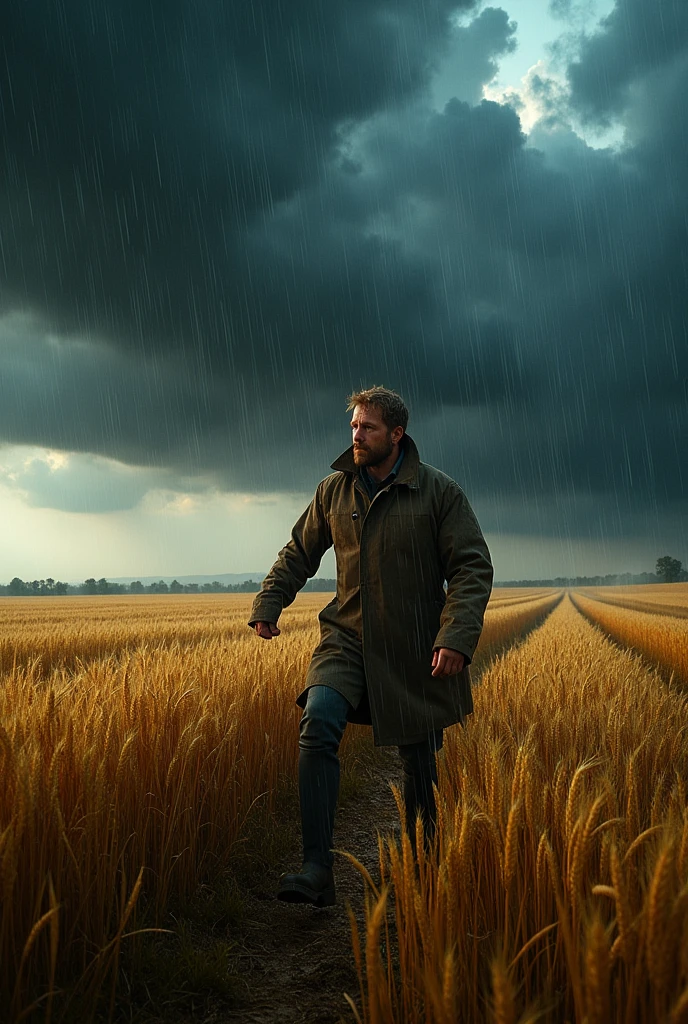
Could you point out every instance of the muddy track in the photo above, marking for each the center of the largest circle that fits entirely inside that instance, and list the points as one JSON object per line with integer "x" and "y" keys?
{"x": 292, "y": 963}
{"x": 297, "y": 961}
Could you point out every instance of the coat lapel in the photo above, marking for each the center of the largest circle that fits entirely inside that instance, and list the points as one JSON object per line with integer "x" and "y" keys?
{"x": 408, "y": 474}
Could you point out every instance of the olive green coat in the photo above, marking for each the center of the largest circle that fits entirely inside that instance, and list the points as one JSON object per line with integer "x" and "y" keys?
{"x": 393, "y": 556}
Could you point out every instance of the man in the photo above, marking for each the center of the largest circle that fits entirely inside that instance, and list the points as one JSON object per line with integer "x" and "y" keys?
{"x": 394, "y": 648}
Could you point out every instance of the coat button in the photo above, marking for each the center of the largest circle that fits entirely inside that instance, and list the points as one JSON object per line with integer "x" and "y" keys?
{"x": 354, "y": 515}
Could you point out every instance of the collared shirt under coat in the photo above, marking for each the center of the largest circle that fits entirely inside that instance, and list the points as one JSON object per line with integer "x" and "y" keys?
{"x": 372, "y": 485}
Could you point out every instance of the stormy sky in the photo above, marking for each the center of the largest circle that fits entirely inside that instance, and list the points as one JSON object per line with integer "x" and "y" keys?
{"x": 218, "y": 219}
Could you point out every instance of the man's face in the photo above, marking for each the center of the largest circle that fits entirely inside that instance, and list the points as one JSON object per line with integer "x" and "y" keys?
{"x": 372, "y": 438}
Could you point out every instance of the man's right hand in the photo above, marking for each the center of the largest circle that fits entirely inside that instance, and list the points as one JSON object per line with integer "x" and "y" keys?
{"x": 266, "y": 629}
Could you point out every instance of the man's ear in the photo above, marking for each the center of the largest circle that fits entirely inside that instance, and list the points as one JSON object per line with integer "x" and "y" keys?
{"x": 397, "y": 434}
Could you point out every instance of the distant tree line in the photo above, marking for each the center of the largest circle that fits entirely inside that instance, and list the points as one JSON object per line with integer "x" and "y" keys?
{"x": 667, "y": 570}
{"x": 55, "y": 588}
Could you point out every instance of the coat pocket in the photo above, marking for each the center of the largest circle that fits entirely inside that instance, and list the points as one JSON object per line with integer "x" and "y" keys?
{"x": 343, "y": 530}
{"x": 408, "y": 532}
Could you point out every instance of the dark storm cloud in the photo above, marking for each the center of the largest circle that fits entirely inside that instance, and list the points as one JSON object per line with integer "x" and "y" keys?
{"x": 472, "y": 54}
{"x": 138, "y": 143}
{"x": 637, "y": 39}
{"x": 222, "y": 219}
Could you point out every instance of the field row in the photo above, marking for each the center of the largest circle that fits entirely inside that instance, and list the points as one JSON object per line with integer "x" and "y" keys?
{"x": 662, "y": 639}
{"x": 657, "y": 599}
{"x": 558, "y": 887}
{"x": 515, "y": 595}
{"x": 68, "y": 632}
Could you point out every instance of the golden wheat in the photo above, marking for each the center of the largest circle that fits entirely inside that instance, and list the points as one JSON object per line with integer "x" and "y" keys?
{"x": 587, "y": 919}
{"x": 505, "y": 623}
{"x": 505, "y": 595}
{"x": 135, "y": 737}
{"x": 657, "y": 598}
{"x": 662, "y": 639}
{"x": 67, "y": 632}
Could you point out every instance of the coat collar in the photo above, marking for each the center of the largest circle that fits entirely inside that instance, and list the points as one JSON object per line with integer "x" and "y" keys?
{"x": 408, "y": 474}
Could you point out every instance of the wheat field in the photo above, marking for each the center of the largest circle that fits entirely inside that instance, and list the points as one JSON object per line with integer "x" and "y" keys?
{"x": 557, "y": 889}
{"x": 662, "y": 639}
{"x": 659, "y": 598}
{"x": 136, "y": 737}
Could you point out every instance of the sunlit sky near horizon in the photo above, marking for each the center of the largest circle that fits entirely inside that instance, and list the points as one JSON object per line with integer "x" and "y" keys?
{"x": 179, "y": 329}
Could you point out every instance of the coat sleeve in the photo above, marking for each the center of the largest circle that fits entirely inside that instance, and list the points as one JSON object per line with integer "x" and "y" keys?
{"x": 468, "y": 571}
{"x": 296, "y": 562}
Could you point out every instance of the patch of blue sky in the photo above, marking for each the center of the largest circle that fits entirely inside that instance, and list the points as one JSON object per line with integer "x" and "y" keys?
{"x": 545, "y": 38}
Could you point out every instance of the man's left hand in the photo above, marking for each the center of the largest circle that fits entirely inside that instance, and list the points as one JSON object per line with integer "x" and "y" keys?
{"x": 446, "y": 662}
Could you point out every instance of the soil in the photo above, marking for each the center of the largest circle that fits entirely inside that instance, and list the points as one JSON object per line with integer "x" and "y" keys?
{"x": 235, "y": 953}
{"x": 297, "y": 961}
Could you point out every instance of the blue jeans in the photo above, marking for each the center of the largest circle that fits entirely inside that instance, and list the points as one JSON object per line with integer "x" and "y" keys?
{"x": 322, "y": 726}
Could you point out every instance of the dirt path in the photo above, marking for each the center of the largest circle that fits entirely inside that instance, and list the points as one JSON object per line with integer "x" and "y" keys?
{"x": 298, "y": 961}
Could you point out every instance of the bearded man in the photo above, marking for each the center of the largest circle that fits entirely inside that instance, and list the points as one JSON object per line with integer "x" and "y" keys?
{"x": 394, "y": 647}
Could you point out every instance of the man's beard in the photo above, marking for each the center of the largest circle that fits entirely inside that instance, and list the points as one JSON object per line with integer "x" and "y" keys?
{"x": 366, "y": 457}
